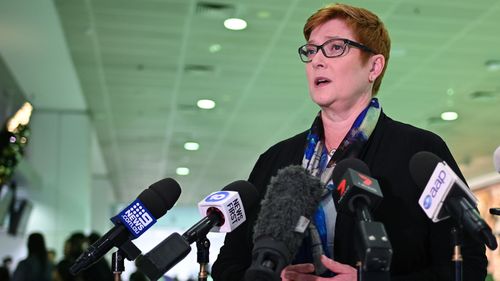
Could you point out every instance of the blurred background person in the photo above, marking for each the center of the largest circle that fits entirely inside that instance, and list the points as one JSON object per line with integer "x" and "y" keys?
{"x": 36, "y": 266}
{"x": 101, "y": 270}
{"x": 73, "y": 248}
{"x": 5, "y": 268}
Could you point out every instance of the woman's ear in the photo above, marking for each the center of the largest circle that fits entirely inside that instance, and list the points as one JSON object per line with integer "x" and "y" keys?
{"x": 377, "y": 65}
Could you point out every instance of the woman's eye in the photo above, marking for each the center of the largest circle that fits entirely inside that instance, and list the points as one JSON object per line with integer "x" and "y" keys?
{"x": 336, "y": 47}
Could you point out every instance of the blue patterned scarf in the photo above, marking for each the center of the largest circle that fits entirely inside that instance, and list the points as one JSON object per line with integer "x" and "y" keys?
{"x": 320, "y": 163}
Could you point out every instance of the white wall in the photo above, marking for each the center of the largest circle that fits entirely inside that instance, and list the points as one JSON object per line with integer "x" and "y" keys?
{"x": 60, "y": 153}
{"x": 34, "y": 49}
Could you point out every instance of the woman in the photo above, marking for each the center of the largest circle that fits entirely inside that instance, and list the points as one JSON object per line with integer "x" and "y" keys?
{"x": 345, "y": 57}
{"x": 36, "y": 266}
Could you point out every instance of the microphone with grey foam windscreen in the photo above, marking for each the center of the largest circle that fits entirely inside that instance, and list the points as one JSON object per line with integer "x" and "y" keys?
{"x": 288, "y": 206}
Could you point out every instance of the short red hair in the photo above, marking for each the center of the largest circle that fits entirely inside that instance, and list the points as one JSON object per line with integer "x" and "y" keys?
{"x": 367, "y": 27}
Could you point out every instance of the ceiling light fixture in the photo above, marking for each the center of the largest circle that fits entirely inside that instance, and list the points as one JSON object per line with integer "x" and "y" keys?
{"x": 22, "y": 117}
{"x": 206, "y": 104}
{"x": 191, "y": 145}
{"x": 235, "y": 24}
{"x": 182, "y": 171}
{"x": 449, "y": 115}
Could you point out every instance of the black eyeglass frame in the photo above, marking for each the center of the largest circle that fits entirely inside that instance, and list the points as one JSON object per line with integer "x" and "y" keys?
{"x": 346, "y": 42}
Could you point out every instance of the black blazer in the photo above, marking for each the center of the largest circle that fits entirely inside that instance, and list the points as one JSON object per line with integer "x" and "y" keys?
{"x": 422, "y": 250}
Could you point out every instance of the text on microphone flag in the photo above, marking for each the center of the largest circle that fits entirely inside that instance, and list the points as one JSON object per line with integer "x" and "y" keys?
{"x": 228, "y": 203}
{"x": 235, "y": 211}
{"x": 136, "y": 218}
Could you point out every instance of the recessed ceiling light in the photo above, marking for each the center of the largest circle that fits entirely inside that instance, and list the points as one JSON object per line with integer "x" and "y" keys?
{"x": 235, "y": 24}
{"x": 182, "y": 171}
{"x": 206, "y": 104}
{"x": 191, "y": 145}
{"x": 449, "y": 115}
{"x": 214, "y": 48}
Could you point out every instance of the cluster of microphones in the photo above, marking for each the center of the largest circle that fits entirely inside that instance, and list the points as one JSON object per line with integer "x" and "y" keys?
{"x": 285, "y": 214}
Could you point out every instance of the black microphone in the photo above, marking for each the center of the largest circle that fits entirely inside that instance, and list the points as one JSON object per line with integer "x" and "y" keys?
{"x": 290, "y": 201}
{"x": 132, "y": 222}
{"x": 445, "y": 195}
{"x": 357, "y": 194}
{"x": 223, "y": 211}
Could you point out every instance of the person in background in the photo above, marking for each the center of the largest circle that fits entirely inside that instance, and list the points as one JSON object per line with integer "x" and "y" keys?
{"x": 5, "y": 268}
{"x": 51, "y": 256}
{"x": 73, "y": 247}
{"x": 36, "y": 266}
{"x": 101, "y": 270}
{"x": 345, "y": 56}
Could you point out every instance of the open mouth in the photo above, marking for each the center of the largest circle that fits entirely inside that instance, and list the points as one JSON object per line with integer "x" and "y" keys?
{"x": 321, "y": 81}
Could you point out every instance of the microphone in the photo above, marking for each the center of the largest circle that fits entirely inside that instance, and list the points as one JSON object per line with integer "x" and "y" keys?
{"x": 445, "y": 195}
{"x": 496, "y": 159}
{"x": 290, "y": 201}
{"x": 358, "y": 194}
{"x": 132, "y": 222}
{"x": 223, "y": 211}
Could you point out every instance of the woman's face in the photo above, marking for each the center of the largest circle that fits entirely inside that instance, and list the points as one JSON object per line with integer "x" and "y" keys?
{"x": 340, "y": 80}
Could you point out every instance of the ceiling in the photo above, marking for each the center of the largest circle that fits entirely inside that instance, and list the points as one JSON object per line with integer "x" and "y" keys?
{"x": 142, "y": 66}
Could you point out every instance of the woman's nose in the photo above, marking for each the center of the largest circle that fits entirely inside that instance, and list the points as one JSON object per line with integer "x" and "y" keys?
{"x": 318, "y": 60}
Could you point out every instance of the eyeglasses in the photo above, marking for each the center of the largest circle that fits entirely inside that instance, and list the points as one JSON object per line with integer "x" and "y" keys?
{"x": 331, "y": 49}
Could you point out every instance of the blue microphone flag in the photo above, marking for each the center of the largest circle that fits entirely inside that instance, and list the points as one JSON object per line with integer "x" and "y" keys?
{"x": 136, "y": 217}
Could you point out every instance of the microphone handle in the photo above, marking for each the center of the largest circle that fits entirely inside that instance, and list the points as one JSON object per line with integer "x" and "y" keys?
{"x": 163, "y": 256}
{"x": 362, "y": 211}
{"x": 457, "y": 253}
{"x": 114, "y": 237}
{"x": 469, "y": 218}
{"x": 200, "y": 229}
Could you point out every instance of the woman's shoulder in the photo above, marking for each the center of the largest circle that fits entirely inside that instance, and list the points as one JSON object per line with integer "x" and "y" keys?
{"x": 409, "y": 133}
{"x": 286, "y": 150}
{"x": 292, "y": 142}
{"x": 284, "y": 153}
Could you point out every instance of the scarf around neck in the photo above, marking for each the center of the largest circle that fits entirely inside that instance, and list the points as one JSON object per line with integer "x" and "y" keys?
{"x": 319, "y": 162}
